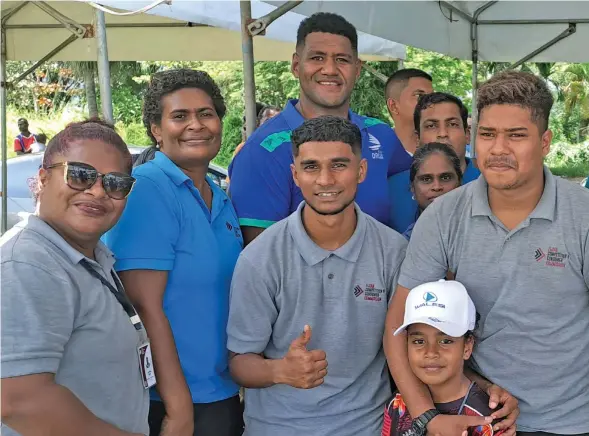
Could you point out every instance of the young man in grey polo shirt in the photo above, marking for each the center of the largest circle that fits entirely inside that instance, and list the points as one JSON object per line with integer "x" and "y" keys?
{"x": 518, "y": 239}
{"x": 321, "y": 297}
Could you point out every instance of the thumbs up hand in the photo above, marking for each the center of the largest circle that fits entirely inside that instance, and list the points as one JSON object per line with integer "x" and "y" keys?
{"x": 302, "y": 368}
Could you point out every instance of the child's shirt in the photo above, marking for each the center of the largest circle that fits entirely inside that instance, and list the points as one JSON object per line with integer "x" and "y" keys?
{"x": 397, "y": 420}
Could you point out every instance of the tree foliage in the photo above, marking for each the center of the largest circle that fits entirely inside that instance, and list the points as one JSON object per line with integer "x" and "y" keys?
{"x": 58, "y": 86}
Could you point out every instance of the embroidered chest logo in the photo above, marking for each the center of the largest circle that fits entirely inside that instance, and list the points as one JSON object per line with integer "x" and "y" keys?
{"x": 370, "y": 292}
{"x": 234, "y": 229}
{"x": 375, "y": 147}
{"x": 553, "y": 257}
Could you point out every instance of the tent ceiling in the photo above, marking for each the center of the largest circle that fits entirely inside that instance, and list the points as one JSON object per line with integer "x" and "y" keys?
{"x": 430, "y": 25}
{"x": 163, "y": 33}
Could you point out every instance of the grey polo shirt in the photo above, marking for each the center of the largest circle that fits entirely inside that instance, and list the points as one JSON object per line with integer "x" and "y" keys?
{"x": 283, "y": 281}
{"x": 531, "y": 287}
{"x": 57, "y": 318}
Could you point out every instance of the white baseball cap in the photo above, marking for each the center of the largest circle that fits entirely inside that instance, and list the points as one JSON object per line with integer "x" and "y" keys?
{"x": 444, "y": 305}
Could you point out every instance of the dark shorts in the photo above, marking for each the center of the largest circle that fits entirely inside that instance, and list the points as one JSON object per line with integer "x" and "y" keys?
{"x": 221, "y": 418}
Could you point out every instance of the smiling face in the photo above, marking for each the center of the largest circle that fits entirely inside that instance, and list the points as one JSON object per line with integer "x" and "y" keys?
{"x": 81, "y": 216}
{"x": 327, "y": 68}
{"x": 510, "y": 147}
{"x": 434, "y": 357}
{"x": 435, "y": 177}
{"x": 328, "y": 174}
{"x": 190, "y": 129}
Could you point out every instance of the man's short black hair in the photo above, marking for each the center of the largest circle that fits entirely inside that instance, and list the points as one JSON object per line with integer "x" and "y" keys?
{"x": 326, "y": 22}
{"x": 327, "y": 128}
{"x": 400, "y": 79}
{"x": 429, "y": 100}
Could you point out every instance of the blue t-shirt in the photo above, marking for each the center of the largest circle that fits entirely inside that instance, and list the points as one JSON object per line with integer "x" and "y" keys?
{"x": 404, "y": 207}
{"x": 262, "y": 188}
{"x": 166, "y": 226}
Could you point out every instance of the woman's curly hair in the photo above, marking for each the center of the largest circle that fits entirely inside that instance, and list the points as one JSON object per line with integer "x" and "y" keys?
{"x": 166, "y": 82}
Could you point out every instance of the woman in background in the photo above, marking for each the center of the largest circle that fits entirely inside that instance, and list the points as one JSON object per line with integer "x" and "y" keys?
{"x": 435, "y": 171}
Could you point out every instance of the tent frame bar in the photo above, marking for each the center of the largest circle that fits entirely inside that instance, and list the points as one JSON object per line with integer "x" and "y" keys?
{"x": 49, "y": 55}
{"x": 249, "y": 29}
{"x": 572, "y": 29}
{"x": 4, "y": 139}
{"x": 247, "y": 51}
{"x": 71, "y": 25}
{"x": 103, "y": 67}
{"x": 475, "y": 22}
{"x": 538, "y": 21}
{"x": 78, "y": 31}
{"x": 108, "y": 25}
{"x": 258, "y": 27}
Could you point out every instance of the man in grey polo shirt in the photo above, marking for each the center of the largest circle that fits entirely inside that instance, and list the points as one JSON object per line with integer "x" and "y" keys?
{"x": 518, "y": 239}
{"x": 320, "y": 298}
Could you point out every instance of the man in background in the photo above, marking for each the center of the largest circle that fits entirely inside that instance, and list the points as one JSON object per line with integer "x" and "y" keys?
{"x": 24, "y": 140}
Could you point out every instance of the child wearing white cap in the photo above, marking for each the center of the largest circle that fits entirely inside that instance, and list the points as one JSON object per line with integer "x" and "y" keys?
{"x": 440, "y": 319}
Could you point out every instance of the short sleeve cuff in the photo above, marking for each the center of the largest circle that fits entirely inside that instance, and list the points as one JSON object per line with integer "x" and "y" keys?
{"x": 409, "y": 282}
{"x": 250, "y": 222}
{"x": 22, "y": 367}
{"x": 152, "y": 264}
{"x": 243, "y": 347}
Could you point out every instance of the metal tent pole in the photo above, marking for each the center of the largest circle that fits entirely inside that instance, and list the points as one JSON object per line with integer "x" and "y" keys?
{"x": 474, "y": 39}
{"x": 4, "y": 226}
{"x": 103, "y": 67}
{"x": 247, "y": 49}
{"x": 3, "y": 133}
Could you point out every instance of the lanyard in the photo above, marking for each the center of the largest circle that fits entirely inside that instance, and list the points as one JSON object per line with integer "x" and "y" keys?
{"x": 118, "y": 292}
{"x": 465, "y": 398}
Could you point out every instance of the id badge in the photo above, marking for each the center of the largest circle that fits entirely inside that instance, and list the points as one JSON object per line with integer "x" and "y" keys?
{"x": 146, "y": 365}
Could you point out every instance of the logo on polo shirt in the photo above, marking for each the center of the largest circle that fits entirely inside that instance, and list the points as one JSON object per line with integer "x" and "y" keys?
{"x": 235, "y": 229}
{"x": 554, "y": 257}
{"x": 370, "y": 291}
{"x": 539, "y": 255}
{"x": 375, "y": 146}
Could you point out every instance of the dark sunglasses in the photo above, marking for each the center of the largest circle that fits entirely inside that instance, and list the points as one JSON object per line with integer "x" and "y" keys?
{"x": 80, "y": 177}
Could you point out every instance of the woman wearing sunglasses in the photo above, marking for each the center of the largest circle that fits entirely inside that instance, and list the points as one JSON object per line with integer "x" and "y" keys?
{"x": 176, "y": 246}
{"x": 70, "y": 337}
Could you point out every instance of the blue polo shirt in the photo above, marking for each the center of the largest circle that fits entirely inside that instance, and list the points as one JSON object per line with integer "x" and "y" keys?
{"x": 262, "y": 188}
{"x": 404, "y": 207}
{"x": 166, "y": 226}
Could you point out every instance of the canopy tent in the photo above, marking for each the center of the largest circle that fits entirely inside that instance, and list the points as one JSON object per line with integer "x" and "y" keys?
{"x": 191, "y": 30}
{"x": 182, "y": 31}
{"x": 498, "y": 31}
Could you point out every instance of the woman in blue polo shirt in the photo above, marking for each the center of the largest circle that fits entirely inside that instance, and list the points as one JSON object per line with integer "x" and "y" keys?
{"x": 435, "y": 171}
{"x": 176, "y": 246}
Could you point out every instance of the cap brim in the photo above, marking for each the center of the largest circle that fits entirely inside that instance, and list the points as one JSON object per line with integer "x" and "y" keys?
{"x": 447, "y": 327}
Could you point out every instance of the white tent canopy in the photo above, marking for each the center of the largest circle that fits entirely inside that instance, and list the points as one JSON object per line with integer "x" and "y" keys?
{"x": 505, "y": 31}
{"x": 182, "y": 31}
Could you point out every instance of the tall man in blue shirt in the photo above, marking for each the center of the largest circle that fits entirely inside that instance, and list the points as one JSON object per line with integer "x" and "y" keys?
{"x": 438, "y": 117}
{"x": 327, "y": 65}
